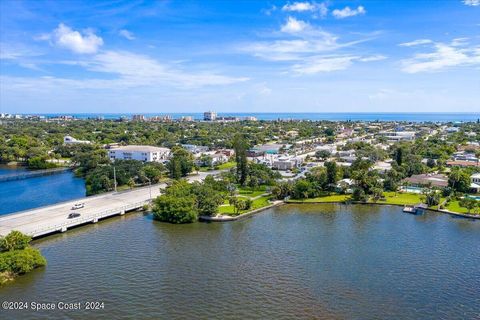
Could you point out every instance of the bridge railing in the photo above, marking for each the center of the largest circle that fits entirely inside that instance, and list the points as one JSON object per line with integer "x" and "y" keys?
{"x": 44, "y": 229}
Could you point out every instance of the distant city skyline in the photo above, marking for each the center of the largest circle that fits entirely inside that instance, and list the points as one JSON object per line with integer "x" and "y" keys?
{"x": 242, "y": 56}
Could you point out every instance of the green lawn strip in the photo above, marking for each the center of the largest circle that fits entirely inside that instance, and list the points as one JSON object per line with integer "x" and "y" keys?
{"x": 324, "y": 199}
{"x": 256, "y": 204}
{"x": 227, "y": 165}
{"x": 401, "y": 198}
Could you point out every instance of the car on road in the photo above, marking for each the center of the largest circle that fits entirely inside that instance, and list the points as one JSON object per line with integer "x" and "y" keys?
{"x": 73, "y": 215}
{"x": 78, "y": 206}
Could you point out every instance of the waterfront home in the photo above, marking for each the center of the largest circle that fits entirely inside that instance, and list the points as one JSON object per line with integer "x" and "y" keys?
{"x": 139, "y": 153}
{"x": 426, "y": 180}
{"x": 475, "y": 185}
{"x": 345, "y": 185}
{"x": 72, "y": 140}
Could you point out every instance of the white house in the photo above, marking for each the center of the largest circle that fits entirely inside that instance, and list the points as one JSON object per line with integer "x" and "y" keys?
{"x": 475, "y": 185}
{"x": 139, "y": 153}
{"x": 398, "y": 135}
{"x": 72, "y": 140}
{"x": 287, "y": 163}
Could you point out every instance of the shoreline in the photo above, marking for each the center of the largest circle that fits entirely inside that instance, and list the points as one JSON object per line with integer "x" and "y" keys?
{"x": 227, "y": 218}
{"x": 445, "y": 211}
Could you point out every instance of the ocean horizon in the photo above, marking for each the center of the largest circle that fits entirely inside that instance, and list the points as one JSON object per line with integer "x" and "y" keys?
{"x": 314, "y": 116}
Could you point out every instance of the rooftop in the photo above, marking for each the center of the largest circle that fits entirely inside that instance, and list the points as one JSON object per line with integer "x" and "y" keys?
{"x": 140, "y": 148}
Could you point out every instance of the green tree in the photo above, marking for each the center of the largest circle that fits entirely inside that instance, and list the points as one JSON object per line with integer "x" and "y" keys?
{"x": 322, "y": 154}
{"x": 240, "y": 146}
{"x": 302, "y": 189}
{"x": 15, "y": 240}
{"x": 253, "y": 182}
{"x": 180, "y": 164}
{"x": 173, "y": 209}
{"x": 282, "y": 190}
{"x": 468, "y": 203}
{"x": 359, "y": 195}
{"x": 21, "y": 261}
{"x": 207, "y": 199}
{"x": 432, "y": 197}
{"x": 332, "y": 173}
{"x": 459, "y": 180}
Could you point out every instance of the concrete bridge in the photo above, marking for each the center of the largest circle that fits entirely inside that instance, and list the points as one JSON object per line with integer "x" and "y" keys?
{"x": 54, "y": 218}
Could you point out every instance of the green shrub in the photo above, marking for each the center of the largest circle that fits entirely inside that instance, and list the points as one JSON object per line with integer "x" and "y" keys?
{"x": 15, "y": 240}
{"x": 22, "y": 261}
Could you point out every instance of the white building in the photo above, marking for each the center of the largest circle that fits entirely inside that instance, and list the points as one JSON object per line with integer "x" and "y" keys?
{"x": 398, "y": 135}
{"x": 475, "y": 185}
{"x": 139, "y": 153}
{"x": 287, "y": 163}
{"x": 210, "y": 116}
{"x": 72, "y": 140}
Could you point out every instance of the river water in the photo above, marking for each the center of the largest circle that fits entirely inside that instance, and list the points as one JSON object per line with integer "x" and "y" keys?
{"x": 35, "y": 192}
{"x": 295, "y": 261}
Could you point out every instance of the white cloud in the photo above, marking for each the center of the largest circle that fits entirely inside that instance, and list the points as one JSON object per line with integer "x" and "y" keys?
{"x": 306, "y": 6}
{"x": 377, "y": 57}
{"x": 293, "y": 25}
{"x": 347, "y": 12}
{"x": 139, "y": 70}
{"x": 472, "y": 3}
{"x": 127, "y": 34}
{"x": 415, "y": 43}
{"x": 443, "y": 56}
{"x": 320, "y": 64}
{"x": 65, "y": 37}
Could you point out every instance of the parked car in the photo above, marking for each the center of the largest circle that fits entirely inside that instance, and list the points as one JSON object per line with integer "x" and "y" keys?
{"x": 73, "y": 215}
{"x": 78, "y": 206}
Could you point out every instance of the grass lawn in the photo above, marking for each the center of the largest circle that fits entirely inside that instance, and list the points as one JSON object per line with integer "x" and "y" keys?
{"x": 227, "y": 165}
{"x": 401, "y": 198}
{"x": 325, "y": 199}
{"x": 258, "y": 203}
{"x": 455, "y": 207}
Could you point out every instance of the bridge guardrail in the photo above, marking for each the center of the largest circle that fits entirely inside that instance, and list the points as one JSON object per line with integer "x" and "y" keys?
{"x": 81, "y": 220}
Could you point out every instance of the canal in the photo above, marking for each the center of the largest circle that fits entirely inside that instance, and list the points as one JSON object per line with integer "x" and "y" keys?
{"x": 290, "y": 262}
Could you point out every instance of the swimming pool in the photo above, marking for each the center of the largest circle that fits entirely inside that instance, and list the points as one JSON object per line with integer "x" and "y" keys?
{"x": 474, "y": 197}
{"x": 411, "y": 189}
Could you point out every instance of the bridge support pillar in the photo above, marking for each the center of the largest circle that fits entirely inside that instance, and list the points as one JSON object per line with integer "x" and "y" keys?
{"x": 95, "y": 220}
{"x": 122, "y": 212}
{"x": 63, "y": 229}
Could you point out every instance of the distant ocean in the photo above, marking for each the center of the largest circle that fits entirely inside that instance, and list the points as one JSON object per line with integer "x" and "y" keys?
{"x": 409, "y": 117}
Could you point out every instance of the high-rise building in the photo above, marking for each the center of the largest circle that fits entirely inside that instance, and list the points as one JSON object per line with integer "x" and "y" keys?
{"x": 209, "y": 116}
{"x": 138, "y": 117}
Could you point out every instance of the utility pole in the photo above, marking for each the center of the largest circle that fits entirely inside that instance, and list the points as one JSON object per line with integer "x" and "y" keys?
{"x": 114, "y": 179}
{"x": 149, "y": 187}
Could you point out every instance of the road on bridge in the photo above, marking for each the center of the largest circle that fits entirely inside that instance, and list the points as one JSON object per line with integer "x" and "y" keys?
{"x": 45, "y": 220}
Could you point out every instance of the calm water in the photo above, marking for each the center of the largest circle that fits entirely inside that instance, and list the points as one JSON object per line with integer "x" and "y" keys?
{"x": 305, "y": 262}
{"x": 39, "y": 191}
{"x": 331, "y": 116}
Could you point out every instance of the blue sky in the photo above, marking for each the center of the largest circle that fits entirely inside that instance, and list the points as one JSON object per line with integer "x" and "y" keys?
{"x": 239, "y": 56}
